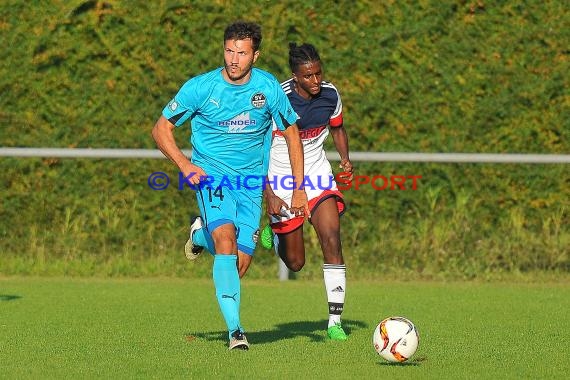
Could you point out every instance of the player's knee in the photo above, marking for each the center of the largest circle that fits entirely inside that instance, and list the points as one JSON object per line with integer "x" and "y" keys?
{"x": 293, "y": 256}
{"x": 225, "y": 245}
{"x": 224, "y": 238}
{"x": 296, "y": 265}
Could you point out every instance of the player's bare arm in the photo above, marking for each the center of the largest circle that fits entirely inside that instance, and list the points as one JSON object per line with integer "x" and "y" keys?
{"x": 163, "y": 135}
{"x": 299, "y": 202}
{"x": 340, "y": 139}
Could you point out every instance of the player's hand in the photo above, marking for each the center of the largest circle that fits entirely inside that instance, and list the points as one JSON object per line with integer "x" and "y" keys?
{"x": 274, "y": 204}
{"x": 348, "y": 170}
{"x": 300, "y": 204}
{"x": 193, "y": 173}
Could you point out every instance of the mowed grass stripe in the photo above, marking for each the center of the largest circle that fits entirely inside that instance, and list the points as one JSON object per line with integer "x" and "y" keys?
{"x": 171, "y": 328}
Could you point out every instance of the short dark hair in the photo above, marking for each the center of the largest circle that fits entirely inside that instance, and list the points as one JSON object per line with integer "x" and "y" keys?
{"x": 241, "y": 30}
{"x": 300, "y": 55}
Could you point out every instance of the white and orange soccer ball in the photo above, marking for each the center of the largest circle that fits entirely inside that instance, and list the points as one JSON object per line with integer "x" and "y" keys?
{"x": 395, "y": 339}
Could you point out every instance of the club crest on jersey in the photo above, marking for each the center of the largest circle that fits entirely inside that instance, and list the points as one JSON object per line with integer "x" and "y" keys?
{"x": 258, "y": 100}
{"x": 173, "y": 105}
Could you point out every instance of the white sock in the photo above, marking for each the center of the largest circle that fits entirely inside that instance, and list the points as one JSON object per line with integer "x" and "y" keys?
{"x": 335, "y": 285}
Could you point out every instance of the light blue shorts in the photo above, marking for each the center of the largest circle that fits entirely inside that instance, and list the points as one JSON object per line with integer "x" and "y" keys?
{"x": 226, "y": 205}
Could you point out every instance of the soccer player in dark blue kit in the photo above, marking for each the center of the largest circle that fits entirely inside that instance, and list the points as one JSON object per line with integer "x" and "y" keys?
{"x": 231, "y": 109}
{"x": 318, "y": 104}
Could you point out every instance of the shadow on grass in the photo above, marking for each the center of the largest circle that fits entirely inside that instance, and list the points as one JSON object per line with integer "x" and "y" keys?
{"x": 8, "y": 297}
{"x": 314, "y": 330}
{"x": 210, "y": 336}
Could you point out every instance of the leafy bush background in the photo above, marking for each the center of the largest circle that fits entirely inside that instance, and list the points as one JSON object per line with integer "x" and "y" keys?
{"x": 416, "y": 76}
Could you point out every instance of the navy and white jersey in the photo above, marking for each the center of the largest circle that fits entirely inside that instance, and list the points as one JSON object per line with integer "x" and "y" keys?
{"x": 316, "y": 115}
{"x": 231, "y": 124}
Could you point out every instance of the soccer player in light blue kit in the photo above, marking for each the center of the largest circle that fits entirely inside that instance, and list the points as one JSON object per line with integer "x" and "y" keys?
{"x": 231, "y": 110}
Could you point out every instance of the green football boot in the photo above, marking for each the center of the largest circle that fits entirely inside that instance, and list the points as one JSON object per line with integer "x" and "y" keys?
{"x": 336, "y": 332}
{"x": 266, "y": 237}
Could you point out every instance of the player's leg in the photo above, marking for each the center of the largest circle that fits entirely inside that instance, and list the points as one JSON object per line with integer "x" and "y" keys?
{"x": 244, "y": 261}
{"x": 218, "y": 211}
{"x": 248, "y": 215}
{"x": 227, "y": 283}
{"x": 291, "y": 248}
{"x": 224, "y": 238}
{"x": 285, "y": 232}
{"x": 326, "y": 221}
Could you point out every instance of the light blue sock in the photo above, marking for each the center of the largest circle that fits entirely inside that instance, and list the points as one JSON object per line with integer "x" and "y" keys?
{"x": 227, "y": 284}
{"x": 203, "y": 238}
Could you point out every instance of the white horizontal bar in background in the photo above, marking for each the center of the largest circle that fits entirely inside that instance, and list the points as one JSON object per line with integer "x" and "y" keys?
{"x": 354, "y": 156}
{"x": 83, "y": 153}
{"x": 458, "y": 157}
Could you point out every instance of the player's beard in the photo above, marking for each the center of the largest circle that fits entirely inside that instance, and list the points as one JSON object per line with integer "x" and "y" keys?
{"x": 239, "y": 74}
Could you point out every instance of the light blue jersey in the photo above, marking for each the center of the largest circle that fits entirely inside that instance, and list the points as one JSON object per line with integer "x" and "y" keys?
{"x": 231, "y": 124}
{"x": 231, "y": 138}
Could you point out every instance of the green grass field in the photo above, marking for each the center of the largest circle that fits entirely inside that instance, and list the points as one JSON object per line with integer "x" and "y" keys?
{"x": 171, "y": 328}
{"x": 429, "y": 76}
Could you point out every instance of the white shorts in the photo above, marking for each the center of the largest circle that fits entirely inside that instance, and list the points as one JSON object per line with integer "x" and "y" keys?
{"x": 319, "y": 183}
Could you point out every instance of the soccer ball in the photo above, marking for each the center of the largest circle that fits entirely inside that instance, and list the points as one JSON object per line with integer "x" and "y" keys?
{"x": 395, "y": 339}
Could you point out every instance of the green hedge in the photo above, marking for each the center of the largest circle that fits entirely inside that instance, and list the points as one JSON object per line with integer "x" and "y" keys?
{"x": 428, "y": 76}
